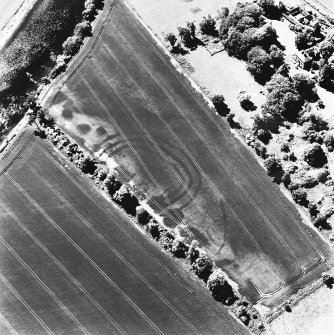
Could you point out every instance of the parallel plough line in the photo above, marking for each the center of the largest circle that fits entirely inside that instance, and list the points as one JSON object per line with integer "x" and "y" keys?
{"x": 129, "y": 144}
{"x": 170, "y": 205}
{"x": 163, "y": 265}
{"x": 190, "y": 156}
{"x": 62, "y": 268}
{"x": 8, "y": 325}
{"x": 82, "y": 252}
{"x": 109, "y": 246}
{"x": 45, "y": 287}
{"x": 26, "y": 305}
{"x": 163, "y": 88}
{"x": 229, "y": 140}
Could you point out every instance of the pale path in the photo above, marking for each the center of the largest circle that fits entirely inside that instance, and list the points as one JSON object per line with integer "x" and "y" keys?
{"x": 7, "y": 10}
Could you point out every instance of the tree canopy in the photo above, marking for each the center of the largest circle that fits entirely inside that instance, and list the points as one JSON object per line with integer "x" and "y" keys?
{"x": 259, "y": 64}
{"x": 305, "y": 86}
{"x": 208, "y": 26}
{"x": 315, "y": 156}
{"x": 203, "y": 266}
{"x": 219, "y": 287}
{"x": 186, "y": 37}
{"x": 326, "y": 77}
{"x": 270, "y": 9}
{"x": 283, "y": 100}
{"x": 304, "y": 39}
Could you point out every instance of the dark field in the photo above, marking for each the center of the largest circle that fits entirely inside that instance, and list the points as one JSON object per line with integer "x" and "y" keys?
{"x": 72, "y": 263}
{"x": 43, "y": 31}
{"x": 127, "y": 98}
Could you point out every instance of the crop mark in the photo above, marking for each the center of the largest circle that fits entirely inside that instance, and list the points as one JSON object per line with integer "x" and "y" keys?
{"x": 266, "y": 220}
{"x": 194, "y": 162}
{"x": 216, "y": 124}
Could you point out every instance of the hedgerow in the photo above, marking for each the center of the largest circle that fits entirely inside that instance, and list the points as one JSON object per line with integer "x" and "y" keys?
{"x": 73, "y": 43}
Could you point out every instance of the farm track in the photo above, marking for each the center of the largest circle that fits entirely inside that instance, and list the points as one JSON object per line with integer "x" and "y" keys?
{"x": 66, "y": 249}
{"x": 186, "y": 161}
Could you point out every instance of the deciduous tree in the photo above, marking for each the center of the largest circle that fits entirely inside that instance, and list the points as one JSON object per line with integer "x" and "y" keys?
{"x": 326, "y": 77}
{"x": 203, "y": 266}
{"x": 193, "y": 252}
{"x": 87, "y": 165}
{"x": 283, "y": 100}
{"x": 142, "y": 216}
{"x": 219, "y": 287}
{"x": 186, "y": 37}
{"x": 111, "y": 184}
{"x": 83, "y": 29}
{"x": 259, "y": 64}
{"x": 125, "y": 197}
{"x": 305, "y": 86}
{"x": 72, "y": 45}
{"x": 191, "y": 26}
{"x": 300, "y": 197}
{"x": 179, "y": 249}
{"x": 208, "y": 26}
{"x": 276, "y": 56}
{"x": 270, "y": 9}
{"x": 220, "y": 105}
{"x": 304, "y": 39}
{"x": 171, "y": 38}
{"x": 315, "y": 156}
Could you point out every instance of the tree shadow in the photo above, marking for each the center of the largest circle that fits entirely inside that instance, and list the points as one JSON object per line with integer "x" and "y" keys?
{"x": 248, "y": 106}
{"x": 277, "y": 175}
{"x": 330, "y": 283}
{"x": 198, "y": 42}
{"x": 179, "y": 50}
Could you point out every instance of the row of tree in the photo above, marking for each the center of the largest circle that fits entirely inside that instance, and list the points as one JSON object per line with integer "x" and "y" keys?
{"x": 82, "y": 30}
{"x": 326, "y": 71}
{"x": 188, "y": 37}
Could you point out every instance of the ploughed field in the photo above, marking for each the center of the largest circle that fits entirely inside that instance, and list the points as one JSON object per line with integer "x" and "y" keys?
{"x": 127, "y": 98}
{"x": 72, "y": 263}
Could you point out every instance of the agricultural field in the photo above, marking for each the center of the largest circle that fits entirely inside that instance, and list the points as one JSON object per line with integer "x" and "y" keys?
{"x": 73, "y": 263}
{"x": 126, "y": 98}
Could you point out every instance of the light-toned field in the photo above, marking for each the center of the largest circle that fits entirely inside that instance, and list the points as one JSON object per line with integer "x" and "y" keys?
{"x": 12, "y": 14}
{"x": 221, "y": 74}
{"x": 178, "y": 12}
{"x": 210, "y": 72}
{"x": 314, "y": 315}
{"x": 7, "y": 10}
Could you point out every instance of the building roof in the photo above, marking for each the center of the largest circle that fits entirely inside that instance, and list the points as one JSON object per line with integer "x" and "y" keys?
{"x": 294, "y": 10}
{"x": 303, "y": 57}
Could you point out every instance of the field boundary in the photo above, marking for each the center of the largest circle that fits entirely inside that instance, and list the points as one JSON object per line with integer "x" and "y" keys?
{"x": 51, "y": 91}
